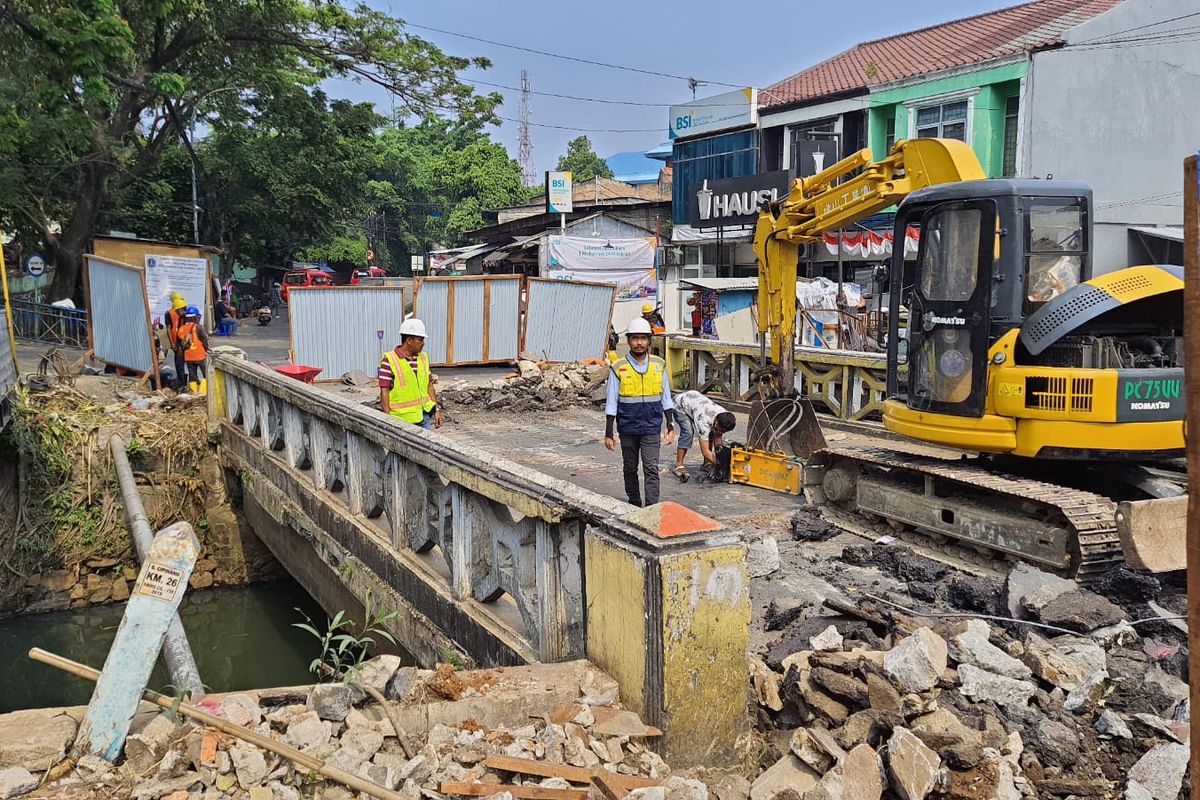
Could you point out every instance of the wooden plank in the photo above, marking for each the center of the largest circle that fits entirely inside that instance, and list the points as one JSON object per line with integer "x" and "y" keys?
{"x": 523, "y": 792}
{"x": 151, "y": 607}
{"x": 487, "y": 317}
{"x": 544, "y": 769}
{"x": 608, "y": 787}
{"x": 450, "y": 323}
{"x": 1191, "y": 314}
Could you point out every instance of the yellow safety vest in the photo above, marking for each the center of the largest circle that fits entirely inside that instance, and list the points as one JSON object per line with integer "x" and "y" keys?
{"x": 639, "y": 397}
{"x": 409, "y": 397}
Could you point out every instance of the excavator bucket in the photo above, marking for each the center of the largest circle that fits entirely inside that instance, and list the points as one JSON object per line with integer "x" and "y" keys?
{"x": 785, "y": 425}
{"x": 1152, "y": 533}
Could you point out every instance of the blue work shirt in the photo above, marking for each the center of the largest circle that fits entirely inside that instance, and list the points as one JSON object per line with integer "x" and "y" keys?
{"x": 614, "y": 387}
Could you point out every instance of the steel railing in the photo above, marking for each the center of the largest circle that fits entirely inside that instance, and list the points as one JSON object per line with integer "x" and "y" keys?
{"x": 40, "y": 322}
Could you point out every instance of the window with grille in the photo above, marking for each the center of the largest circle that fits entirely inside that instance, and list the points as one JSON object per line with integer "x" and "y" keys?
{"x": 946, "y": 121}
{"x": 1012, "y": 108}
{"x": 890, "y": 134}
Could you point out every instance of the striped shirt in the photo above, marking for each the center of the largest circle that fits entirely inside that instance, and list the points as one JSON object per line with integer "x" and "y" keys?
{"x": 386, "y": 378}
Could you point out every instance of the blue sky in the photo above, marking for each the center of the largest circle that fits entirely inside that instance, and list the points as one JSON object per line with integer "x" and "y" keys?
{"x": 733, "y": 42}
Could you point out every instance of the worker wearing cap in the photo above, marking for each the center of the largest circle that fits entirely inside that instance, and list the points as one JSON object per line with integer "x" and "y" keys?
{"x": 653, "y": 318}
{"x": 193, "y": 344}
{"x": 638, "y": 404}
{"x": 173, "y": 319}
{"x": 405, "y": 384}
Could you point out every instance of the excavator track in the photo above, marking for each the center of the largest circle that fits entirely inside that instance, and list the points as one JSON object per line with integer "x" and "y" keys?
{"x": 1066, "y": 530}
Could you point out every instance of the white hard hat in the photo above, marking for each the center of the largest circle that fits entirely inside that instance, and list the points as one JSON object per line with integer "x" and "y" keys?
{"x": 412, "y": 327}
{"x": 638, "y": 325}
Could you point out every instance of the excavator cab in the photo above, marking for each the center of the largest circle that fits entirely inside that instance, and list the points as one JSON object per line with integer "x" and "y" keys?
{"x": 991, "y": 253}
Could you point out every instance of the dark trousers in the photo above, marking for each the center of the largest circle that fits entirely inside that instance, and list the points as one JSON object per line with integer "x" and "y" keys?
{"x": 196, "y": 370}
{"x": 181, "y": 376}
{"x": 645, "y": 448}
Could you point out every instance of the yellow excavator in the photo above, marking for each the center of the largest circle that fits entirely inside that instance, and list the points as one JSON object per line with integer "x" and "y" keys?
{"x": 1058, "y": 394}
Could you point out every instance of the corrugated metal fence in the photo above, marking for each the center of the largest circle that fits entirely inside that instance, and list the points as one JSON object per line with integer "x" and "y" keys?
{"x": 472, "y": 320}
{"x": 8, "y": 369}
{"x": 337, "y": 328}
{"x": 118, "y": 317}
{"x": 567, "y": 320}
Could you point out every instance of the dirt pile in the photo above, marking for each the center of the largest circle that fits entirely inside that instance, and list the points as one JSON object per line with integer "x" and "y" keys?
{"x": 883, "y": 703}
{"x": 537, "y": 386}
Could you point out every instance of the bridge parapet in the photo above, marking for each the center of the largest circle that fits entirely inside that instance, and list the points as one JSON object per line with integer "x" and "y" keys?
{"x": 504, "y": 563}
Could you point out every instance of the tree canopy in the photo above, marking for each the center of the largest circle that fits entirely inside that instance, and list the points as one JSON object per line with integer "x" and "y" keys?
{"x": 582, "y": 162}
{"x": 98, "y": 101}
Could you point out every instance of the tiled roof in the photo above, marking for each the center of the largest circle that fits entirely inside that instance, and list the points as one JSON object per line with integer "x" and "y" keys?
{"x": 1008, "y": 31}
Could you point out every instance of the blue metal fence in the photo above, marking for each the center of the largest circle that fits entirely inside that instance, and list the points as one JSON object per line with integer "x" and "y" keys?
{"x": 40, "y": 322}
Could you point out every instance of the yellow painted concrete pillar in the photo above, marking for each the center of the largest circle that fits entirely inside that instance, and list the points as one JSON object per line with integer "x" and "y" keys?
{"x": 668, "y": 605}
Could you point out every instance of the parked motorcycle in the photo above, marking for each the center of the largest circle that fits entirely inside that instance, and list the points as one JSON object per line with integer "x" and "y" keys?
{"x": 263, "y": 315}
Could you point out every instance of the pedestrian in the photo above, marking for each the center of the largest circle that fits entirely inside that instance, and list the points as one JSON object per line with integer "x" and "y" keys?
{"x": 173, "y": 319}
{"x": 699, "y": 417}
{"x": 651, "y": 315}
{"x": 697, "y": 314}
{"x": 405, "y": 384}
{"x": 227, "y": 291}
{"x": 276, "y": 296}
{"x": 639, "y": 403}
{"x": 193, "y": 342}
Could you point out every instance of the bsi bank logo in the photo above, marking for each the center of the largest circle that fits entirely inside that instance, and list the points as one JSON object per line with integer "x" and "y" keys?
{"x": 683, "y": 123}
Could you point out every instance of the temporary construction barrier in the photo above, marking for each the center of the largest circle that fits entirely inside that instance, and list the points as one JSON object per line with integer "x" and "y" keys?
{"x": 8, "y": 350}
{"x": 343, "y": 328}
{"x": 118, "y": 316}
{"x": 567, "y": 320}
{"x": 470, "y": 320}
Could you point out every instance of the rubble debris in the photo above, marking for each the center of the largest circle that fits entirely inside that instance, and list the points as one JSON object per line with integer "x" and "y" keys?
{"x": 980, "y": 685}
{"x": 828, "y": 639}
{"x": 915, "y": 769}
{"x": 809, "y": 526}
{"x": 917, "y": 662}
{"x": 1080, "y": 610}
{"x": 1110, "y": 724}
{"x": 787, "y": 779}
{"x": 1030, "y": 590}
{"x": 762, "y": 556}
{"x": 974, "y": 647}
{"x": 899, "y": 562}
{"x": 537, "y": 386}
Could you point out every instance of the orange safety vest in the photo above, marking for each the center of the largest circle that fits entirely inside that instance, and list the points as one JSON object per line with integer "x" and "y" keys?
{"x": 196, "y": 351}
{"x": 409, "y": 398}
{"x": 174, "y": 320}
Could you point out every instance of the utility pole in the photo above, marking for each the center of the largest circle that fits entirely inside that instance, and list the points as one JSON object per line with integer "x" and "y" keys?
{"x": 1191, "y": 319}
{"x": 195, "y": 204}
{"x": 524, "y": 140}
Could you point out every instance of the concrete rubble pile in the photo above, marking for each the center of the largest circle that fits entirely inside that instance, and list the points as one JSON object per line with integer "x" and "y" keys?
{"x": 955, "y": 707}
{"x": 537, "y": 386}
{"x": 176, "y": 760}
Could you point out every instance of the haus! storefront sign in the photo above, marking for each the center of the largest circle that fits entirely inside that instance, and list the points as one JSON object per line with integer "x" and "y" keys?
{"x": 736, "y": 201}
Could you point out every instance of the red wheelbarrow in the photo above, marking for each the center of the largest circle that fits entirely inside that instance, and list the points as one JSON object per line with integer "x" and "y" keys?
{"x": 300, "y": 372}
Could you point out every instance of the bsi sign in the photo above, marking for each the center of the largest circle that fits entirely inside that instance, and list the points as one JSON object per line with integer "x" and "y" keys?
{"x": 558, "y": 193}
{"x": 736, "y": 201}
{"x": 735, "y": 109}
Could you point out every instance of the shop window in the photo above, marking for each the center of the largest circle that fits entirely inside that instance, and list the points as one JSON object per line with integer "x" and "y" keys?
{"x": 945, "y": 121}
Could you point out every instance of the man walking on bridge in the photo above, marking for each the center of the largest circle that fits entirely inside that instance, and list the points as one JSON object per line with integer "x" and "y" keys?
{"x": 405, "y": 384}
{"x": 639, "y": 401}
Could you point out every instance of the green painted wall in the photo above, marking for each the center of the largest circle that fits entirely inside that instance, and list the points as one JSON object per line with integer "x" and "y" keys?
{"x": 995, "y": 86}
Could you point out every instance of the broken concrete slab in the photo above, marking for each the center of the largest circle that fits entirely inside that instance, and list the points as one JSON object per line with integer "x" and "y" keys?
{"x": 820, "y": 753}
{"x": 917, "y": 662}
{"x": 914, "y": 768}
{"x": 1025, "y": 581}
{"x": 35, "y": 739}
{"x": 1066, "y": 662}
{"x": 789, "y": 774}
{"x": 828, "y": 640}
{"x": 1160, "y": 771}
{"x": 974, "y": 647}
{"x": 16, "y": 781}
{"x": 1089, "y": 695}
{"x": 762, "y": 556}
{"x": 1110, "y": 724}
{"x": 942, "y": 731}
{"x": 1082, "y": 611}
{"x": 979, "y": 684}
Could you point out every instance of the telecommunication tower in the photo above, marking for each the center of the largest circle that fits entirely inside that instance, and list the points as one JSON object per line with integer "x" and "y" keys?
{"x": 524, "y": 141}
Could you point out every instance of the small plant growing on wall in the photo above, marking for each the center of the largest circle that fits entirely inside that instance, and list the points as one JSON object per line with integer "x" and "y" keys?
{"x": 342, "y": 652}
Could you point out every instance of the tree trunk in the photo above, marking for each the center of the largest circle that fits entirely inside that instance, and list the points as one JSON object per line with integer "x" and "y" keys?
{"x": 69, "y": 246}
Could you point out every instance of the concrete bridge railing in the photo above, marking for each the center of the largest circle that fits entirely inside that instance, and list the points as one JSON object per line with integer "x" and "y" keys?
{"x": 489, "y": 559}
{"x": 848, "y": 384}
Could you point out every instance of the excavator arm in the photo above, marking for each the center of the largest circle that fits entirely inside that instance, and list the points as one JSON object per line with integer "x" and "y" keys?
{"x": 835, "y": 198}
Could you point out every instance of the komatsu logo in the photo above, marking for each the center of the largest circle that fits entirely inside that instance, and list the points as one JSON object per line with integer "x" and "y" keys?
{"x": 1151, "y": 394}
{"x": 934, "y": 319}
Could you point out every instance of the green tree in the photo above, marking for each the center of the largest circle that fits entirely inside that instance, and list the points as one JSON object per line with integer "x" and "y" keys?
{"x": 582, "y": 162}
{"x": 93, "y": 92}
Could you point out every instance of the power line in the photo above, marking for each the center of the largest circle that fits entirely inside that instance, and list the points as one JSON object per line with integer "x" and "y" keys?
{"x": 604, "y": 101}
{"x": 1138, "y": 28}
{"x": 1179, "y": 34}
{"x": 585, "y": 130}
{"x": 567, "y": 58}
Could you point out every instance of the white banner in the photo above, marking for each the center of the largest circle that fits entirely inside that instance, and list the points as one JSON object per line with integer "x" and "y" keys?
{"x": 166, "y": 274}
{"x": 627, "y": 263}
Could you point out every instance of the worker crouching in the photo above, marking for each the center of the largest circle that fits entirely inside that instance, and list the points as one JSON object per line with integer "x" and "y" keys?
{"x": 638, "y": 404}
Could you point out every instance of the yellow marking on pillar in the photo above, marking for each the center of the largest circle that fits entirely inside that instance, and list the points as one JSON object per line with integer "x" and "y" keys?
{"x": 216, "y": 395}
{"x": 706, "y": 638}
{"x": 616, "y": 607}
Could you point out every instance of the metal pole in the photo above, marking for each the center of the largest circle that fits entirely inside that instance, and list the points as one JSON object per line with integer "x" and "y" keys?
{"x": 195, "y": 205}
{"x": 1191, "y": 306}
{"x": 175, "y": 649}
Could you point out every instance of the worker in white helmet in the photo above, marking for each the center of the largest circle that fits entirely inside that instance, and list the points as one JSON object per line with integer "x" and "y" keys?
{"x": 405, "y": 384}
{"x": 638, "y": 405}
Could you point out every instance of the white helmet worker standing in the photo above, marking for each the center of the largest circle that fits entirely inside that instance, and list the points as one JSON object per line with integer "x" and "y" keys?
{"x": 638, "y": 325}
{"x": 412, "y": 327}
{"x": 406, "y": 387}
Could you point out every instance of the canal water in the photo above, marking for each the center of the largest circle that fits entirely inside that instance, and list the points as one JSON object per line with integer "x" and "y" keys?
{"x": 241, "y": 638}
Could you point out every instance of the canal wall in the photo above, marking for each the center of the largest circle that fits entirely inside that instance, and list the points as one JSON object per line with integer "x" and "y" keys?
{"x": 70, "y": 545}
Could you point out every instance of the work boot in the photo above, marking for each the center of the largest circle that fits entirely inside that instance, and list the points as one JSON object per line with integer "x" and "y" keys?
{"x": 681, "y": 473}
